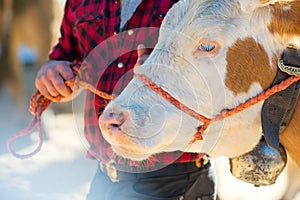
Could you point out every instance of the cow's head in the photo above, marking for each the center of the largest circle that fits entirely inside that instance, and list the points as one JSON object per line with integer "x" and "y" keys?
{"x": 211, "y": 55}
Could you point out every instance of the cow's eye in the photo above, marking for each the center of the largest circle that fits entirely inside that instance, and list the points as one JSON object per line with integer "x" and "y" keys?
{"x": 208, "y": 47}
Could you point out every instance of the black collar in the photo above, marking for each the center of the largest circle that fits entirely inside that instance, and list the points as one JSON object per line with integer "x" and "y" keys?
{"x": 278, "y": 109}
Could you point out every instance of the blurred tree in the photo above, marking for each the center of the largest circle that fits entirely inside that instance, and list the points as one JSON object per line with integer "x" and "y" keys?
{"x": 23, "y": 23}
{"x": 6, "y": 8}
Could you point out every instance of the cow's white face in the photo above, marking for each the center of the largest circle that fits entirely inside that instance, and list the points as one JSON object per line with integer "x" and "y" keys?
{"x": 211, "y": 55}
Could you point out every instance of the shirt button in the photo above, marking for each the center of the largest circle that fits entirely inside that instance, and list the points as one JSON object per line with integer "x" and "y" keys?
{"x": 99, "y": 17}
{"x": 130, "y": 32}
{"x": 115, "y": 33}
{"x": 116, "y": 2}
{"x": 161, "y": 15}
{"x": 120, "y": 65}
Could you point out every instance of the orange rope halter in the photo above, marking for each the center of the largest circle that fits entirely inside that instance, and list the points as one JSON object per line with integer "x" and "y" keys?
{"x": 223, "y": 114}
{"x": 39, "y": 103}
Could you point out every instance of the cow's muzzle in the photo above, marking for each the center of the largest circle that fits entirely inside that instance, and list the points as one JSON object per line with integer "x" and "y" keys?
{"x": 111, "y": 122}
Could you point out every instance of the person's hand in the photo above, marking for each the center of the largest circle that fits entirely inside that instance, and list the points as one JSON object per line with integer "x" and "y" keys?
{"x": 142, "y": 55}
{"x": 50, "y": 80}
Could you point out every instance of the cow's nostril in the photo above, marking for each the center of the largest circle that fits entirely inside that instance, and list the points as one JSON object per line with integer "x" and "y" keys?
{"x": 118, "y": 118}
{"x": 111, "y": 114}
{"x": 116, "y": 125}
{"x": 113, "y": 119}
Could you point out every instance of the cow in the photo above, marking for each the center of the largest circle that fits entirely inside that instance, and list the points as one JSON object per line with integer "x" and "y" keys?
{"x": 211, "y": 55}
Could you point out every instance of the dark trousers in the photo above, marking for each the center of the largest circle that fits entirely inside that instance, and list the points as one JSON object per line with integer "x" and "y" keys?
{"x": 178, "y": 181}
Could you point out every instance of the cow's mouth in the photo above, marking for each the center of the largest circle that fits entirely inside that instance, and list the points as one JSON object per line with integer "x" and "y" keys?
{"x": 124, "y": 146}
{"x": 121, "y": 141}
{"x": 129, "y": 150}
{"x": 131, "y": 153}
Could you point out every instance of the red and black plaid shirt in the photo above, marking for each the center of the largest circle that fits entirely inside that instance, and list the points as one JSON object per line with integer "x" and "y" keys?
{"x": 91, "y": 32}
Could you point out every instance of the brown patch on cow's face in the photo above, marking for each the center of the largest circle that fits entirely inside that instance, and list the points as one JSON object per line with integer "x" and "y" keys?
{"x": 248, "y": 62}
{"x": 286, "y": 18}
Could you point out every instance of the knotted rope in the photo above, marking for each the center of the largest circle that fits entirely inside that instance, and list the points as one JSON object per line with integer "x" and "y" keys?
{"x": 39, "y": 103}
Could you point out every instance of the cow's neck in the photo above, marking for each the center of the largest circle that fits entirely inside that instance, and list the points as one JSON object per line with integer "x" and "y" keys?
{"x": 290, "y": 138}
{"x": 286, "y": 19}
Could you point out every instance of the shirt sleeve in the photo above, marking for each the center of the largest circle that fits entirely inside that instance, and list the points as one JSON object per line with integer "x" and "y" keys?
{"x": 67, "y": 46}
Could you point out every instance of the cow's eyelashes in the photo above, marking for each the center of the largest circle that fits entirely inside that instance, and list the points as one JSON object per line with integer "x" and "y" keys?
{"x": 206, "y": 47}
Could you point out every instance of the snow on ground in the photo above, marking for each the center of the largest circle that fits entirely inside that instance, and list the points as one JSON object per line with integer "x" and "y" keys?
{"x": 59, "y": 171}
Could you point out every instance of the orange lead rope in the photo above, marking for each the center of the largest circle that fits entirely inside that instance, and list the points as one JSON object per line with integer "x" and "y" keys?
{"x": 39, "y": 103}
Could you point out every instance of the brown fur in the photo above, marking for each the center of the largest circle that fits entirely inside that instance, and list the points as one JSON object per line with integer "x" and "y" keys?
{"x": 290, "y": 138}
{"x": 244, "y": 68}
{"x": 286, "y": 22}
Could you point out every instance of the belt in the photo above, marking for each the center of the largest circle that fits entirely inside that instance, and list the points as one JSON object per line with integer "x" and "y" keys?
{"x": 115, "y": 175}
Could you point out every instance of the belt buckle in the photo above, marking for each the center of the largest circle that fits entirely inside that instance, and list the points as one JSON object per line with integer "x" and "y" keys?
{"x": 110, "y": 169}
{"x": 202, "y": 162}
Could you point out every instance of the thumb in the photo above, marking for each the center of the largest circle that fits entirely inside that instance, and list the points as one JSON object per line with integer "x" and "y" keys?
{"x": 142, "y": 55}
{"x": 141, "y": 50}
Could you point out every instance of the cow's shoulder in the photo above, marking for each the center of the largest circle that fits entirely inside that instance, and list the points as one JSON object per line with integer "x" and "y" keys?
{"x": 290, "y": 138}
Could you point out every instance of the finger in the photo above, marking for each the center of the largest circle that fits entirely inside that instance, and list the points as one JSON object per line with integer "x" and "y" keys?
{"x": 142, "y": 59}
{"x": 43, "y": 90}
{"x": 52, "y": 90}
{"x": 64, "y": 69}
{"x": 141, "y": 50}
{"x": 40, "y": 85}
{"x": 56, "y": 80}
{"x": 47, "y": 84}
{"x": 60, "y": 86}
{"x": 142, "y": 55}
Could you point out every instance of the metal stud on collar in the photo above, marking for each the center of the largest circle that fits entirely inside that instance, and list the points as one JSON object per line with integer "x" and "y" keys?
{"x": 291, "y": 70}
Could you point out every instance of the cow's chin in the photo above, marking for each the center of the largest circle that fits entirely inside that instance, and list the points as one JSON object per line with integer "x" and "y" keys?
{"x": 124, "y": 145}
{"x": 139, "y": 149}
{"x": 129, "y": 153}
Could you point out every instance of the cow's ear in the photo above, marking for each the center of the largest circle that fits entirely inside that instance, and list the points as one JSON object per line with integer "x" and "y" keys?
{"x": 250, "y": 5}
